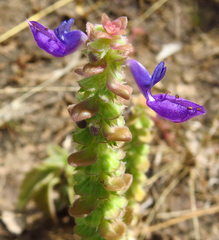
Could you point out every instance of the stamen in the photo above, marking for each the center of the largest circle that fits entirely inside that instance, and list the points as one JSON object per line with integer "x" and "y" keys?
{"x": 46, "y": 29}
{"x": 167, "y": 92}
{"x": 177, "y": 96}
{"x": 190, "y": 108}
{"x": 198, "y": 109}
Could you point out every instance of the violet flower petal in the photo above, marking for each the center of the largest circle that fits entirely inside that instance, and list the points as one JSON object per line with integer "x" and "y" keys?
{"x": 61, "y": 43}
{"x": 174, "y": 109}
{"x": 47, "y": 40}
{"x": 71, "y": 39}
{"x": 64, "y": 27}
{"x": 140, "y": 74}
{"x": 158, "y": 73}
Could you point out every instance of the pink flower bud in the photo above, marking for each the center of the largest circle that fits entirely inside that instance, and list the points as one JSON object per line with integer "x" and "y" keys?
{"x": 82, "y": 207}
{"x": 90, "y": 69}
{"x": 117, "y": 134}
{"x": 128, "y": 217}
{"x": 83, "y": 110}
{"x": 119, "y": 89}
{"x": 82, "y": 158}
{"x": 112, "y": 229}
{"x": 117, "y": 27}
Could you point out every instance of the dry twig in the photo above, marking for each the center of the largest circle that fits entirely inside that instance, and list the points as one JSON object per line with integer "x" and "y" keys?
{"x": 38, "y": 89}
{"x": 193, "y": 204}
{"x": 171, "y": 167}
{"x": 35, "y": 17}
{"x": 198, "y": 213}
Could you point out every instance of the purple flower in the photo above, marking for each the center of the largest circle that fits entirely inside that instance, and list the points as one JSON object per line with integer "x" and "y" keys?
{"x": 59, "y": 43}
{"x": 173, "y": 108}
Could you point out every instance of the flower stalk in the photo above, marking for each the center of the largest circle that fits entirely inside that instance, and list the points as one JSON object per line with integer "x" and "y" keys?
{"x": 100, "y": 211}
{"x": 136, "y": 158}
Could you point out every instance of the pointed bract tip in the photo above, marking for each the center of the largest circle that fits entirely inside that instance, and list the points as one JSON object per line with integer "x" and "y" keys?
{"x": 116, "y": 27}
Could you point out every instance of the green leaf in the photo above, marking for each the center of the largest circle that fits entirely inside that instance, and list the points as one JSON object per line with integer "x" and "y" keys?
{"x": 71, "y": 194}
{"x": 93, "y": 169}
{"x": 101, "y": 139}
{"x": 110, "y": 159}
{"x": 100, "y": 45}
{"x": 34, "y": 180}
{"x": 44, "y": 198}
{"x": 105, "y": 95}
{"x": 97, "y": 237}
{"x": 83, "y": 136}
{"x": 110, "y": 110}
{"x": 54, "y": 150}
{"x": 92, "y": 83}
{"x": 95, "y": 218}
{"x": 57, "y": 155}
{"x": 100, "y": 192}
{"x": 84, "y": 187}
{"x": 118, "y": 201}
{"x": 55, "y": 161}
{"x": 79, "y": 176}
{"x": 99, "y": 27}
{"x": 111, "y": 211}
{"x": 85, "y": 231}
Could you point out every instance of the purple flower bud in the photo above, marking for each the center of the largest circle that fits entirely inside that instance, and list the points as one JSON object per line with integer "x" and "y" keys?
{"x": 173, "y": 108}
{"x": 59, "y": 43}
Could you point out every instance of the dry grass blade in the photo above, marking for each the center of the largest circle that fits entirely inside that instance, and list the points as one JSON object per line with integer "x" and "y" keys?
{"x": 35, "y": 17}
{"x": 37, "y": 89}
{"x": 173, "y": 214}
{"x": 96, "y": 6}
{"x": 193, "y": 204}
{"x": 147, "y": 13}
{"x": 171, "y": 167}
{"x": 164, "y": 194}
{"x": 213, "y": 129}
{"x": 10, "y": 110}
{"x": 198, "y": 213}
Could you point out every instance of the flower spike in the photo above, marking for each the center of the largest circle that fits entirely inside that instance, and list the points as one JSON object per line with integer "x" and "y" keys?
{"x": 59, "y": 43}
{"x": 173, "y": 108}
